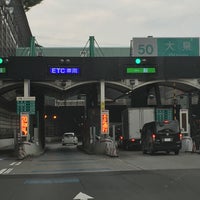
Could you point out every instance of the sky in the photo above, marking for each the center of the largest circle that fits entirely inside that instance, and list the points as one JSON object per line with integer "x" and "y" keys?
{"x": 113, "y": 23}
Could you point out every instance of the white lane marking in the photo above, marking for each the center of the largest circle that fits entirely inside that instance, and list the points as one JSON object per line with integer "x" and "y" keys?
{"x": 16, "y": 163}
{"x": 2, "y": 171}
{"x": 8, "y": 171}
{"x": 13, "y": 163}
{"x": 19, "y": 163}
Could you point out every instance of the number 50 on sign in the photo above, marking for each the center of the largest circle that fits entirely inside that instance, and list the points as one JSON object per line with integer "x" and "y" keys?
{"x": 144, "y": 46}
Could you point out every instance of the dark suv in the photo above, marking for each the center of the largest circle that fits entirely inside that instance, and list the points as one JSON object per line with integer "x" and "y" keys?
{"x": 161, "y": 136}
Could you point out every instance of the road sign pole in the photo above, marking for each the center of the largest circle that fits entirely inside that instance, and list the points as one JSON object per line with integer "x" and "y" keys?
{"x": 102, "y": 109}
{"x": 92, "y": 46}
{"x": 26, "y": 88}
{"x": 27, "y": 94}
{"x": 102, "y": 91}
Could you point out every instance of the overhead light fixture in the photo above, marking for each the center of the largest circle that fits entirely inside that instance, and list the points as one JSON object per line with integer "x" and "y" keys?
{"x": 7, "y": 2}
{"x": 10, "y": 10}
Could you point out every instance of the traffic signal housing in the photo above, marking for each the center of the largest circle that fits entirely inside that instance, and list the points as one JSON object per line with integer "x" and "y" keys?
{"x": 138, "y": 61}
{"x": 3, "y": 62}
{"x": 141, "y": 68}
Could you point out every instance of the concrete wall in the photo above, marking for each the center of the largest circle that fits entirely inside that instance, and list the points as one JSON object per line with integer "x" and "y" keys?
{"x": 6, "y": 143}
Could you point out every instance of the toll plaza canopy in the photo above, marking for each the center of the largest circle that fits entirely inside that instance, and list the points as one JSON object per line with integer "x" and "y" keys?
{"x": 99, "y": 68}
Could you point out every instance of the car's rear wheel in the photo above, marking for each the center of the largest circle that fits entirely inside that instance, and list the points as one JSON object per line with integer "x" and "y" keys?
{"x": 151, "y": 151}
{"x": 144, "y": 151}
{"x": 167, "y": 152}
{"x": 176, "y": 152}
{"x": 127, "y": 147}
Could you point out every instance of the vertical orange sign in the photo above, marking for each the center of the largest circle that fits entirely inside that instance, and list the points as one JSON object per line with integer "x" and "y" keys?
{"x": 105, "y": 122}
{"x": 24, "y": 124}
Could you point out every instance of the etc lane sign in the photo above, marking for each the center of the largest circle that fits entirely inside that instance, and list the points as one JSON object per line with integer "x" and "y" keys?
{"x": 165, "y": 47}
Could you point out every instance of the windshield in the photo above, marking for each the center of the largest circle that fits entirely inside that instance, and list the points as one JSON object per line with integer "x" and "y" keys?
{"x": 172, "y": 126}
{"x": 68, "y": 135}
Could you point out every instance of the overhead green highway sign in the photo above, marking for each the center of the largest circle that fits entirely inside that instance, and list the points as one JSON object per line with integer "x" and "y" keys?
{"x": 150, "y": 46}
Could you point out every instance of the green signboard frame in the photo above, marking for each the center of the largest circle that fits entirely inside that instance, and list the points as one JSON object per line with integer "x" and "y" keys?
{"x": 140, "y": 70}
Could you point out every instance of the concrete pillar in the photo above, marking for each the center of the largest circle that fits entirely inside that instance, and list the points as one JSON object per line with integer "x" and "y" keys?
{"x": 26, "y": 88}
{"x": 102, "y": 95}
{"x": 27, "y": 94}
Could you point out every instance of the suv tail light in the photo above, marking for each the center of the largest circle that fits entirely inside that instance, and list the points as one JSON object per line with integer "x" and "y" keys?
{"x": 153, "y": 136}
{"x": 121, "y": 137}
{"x": 132, "y": 139}
{"x": 180, "y": 136}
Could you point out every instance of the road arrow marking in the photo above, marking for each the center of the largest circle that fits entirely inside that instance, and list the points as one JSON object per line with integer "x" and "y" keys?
{"x": 82, "y": 196}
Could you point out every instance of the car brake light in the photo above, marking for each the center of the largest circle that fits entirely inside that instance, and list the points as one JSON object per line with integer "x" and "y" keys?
{"x": 132, "y": 139}
{"x": 121, "y": 137}
{"x": 153, "y": 136}
{"x": 180, "y": 136}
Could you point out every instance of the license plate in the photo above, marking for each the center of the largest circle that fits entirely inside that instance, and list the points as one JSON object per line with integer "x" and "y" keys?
{"x": 167, "y": 139}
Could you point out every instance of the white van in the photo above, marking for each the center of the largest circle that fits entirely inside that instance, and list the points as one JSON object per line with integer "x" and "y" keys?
{"x": 69, "y": 138}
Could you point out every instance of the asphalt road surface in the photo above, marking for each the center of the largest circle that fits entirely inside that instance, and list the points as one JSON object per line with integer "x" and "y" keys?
{"x": 67, "y": 173}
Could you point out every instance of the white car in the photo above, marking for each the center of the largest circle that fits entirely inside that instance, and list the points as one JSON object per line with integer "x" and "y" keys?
{"x": 69, "y": 139}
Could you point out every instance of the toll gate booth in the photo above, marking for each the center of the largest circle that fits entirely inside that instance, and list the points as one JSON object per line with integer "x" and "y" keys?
{"x": 125, "y": 78}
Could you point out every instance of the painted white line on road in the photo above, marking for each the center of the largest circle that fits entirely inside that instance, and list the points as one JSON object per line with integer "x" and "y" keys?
{"x": 19, "y": 163}
{"x": 2, "y": 171}
{"x": 8, "y": 171}
{"x": 13, "y": 163}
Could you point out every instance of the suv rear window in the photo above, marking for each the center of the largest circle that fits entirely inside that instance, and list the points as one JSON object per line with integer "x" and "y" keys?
{"x": 170, "y": 125}
{"x": 69, "y": 135}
